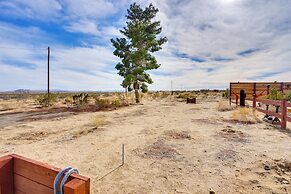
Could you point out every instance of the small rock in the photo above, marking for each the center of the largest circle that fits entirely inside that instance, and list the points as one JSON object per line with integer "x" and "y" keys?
{"x": 285, "y": 182}
{"x": 211, "y": 191}
{"x": 267, "y": 167}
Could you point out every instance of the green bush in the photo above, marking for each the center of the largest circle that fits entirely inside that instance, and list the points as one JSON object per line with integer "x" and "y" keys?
{"x": 226, "y": 93}
{"x": 278, "y": 95}
{"x": 47, "y": 100}
{"x": 288, "y": 96}
{"x": 116, "y": 103}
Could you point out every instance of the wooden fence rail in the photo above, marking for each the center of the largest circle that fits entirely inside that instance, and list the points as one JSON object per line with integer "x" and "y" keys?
{"x": 282, "y": 113}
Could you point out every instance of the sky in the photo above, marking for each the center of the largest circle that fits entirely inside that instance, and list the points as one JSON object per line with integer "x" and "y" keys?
{"x": 210, "y": 43}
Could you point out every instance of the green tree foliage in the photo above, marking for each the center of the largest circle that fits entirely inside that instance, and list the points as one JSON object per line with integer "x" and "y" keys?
{"x": 277, "y": 95}
{"x": 136, "y": 47}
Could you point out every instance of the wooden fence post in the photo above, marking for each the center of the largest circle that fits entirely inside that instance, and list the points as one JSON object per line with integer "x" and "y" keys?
{"x": 229, "y": 95}
{"x": 282, "y": 87}
{"x": 284, "y": 114}
{"x": 268, "y": 89}
{"x": 254, "y": 95}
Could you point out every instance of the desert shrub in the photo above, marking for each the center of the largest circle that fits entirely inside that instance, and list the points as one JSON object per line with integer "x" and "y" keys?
{"x": 164, "y": 94}
{"x": 245, "y": 115}
{"x": 223, "y": 106}
{"x": 99, "y": 121}
{"x": 278, "y": 95}
{"x": 275, "y": 94}
{"x": 288, "y": 96}
{"x": 102, "y": 103}
{"x": 186, "y": 95}
{"x": 225, "y": 94}
{"x": 69, "y": 100}
{"x": 116, "y": 103}
{"x": 47, "y": 99}
{"x": 154, "y": 95}
{"x": 81, "y": 99}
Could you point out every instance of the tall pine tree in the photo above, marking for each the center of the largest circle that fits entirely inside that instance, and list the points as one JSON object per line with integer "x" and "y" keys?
{"x": 136, "y": 47}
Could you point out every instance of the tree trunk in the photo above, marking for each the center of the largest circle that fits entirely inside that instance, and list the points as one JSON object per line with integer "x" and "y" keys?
{"x": 136, "y": 95}
{"x": 136, "y": 88}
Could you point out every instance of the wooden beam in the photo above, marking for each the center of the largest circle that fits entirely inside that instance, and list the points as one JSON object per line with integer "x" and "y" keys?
{"x": 42, "y": 173}
{"x": 75, "y": 186}
{"x": 6, "y": 175}
{"x": 270, "y": 102}
{"x": 268, "y": 112}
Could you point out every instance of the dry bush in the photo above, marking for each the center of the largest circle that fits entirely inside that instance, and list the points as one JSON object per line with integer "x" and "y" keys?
{"x": 99, "y": 121}
{"x": 185, "y": 95}
{"x": 158, "y": 150}
{"x": 47, "y": 100}
{"x": 245, "y": 115}
{"x": 10, "y": 104}
{"x": 224, "y": 106}
{"x": 178, "y": 134}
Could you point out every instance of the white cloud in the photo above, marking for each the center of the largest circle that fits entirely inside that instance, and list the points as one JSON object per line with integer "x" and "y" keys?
{"x": 83, "y": 26}
{"x": 205, "y": 29}
{"x": 34, "y": 9}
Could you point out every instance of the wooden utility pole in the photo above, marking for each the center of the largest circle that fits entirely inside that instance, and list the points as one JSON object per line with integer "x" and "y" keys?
{"x": 48, "y": 76}
{"x": 172, "y": 92}
{"x": 48, "y": 71}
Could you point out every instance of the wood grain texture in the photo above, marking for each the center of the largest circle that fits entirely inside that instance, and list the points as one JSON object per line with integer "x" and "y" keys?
{"x": 6, "y": 175}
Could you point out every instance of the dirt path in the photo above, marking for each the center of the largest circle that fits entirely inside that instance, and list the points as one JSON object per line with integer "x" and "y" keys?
{"x": 170, "y": 147}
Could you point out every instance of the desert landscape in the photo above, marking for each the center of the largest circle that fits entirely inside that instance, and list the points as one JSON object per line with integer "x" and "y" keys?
{"x": 170, "y": 146}
{"x": 147, "y": 96}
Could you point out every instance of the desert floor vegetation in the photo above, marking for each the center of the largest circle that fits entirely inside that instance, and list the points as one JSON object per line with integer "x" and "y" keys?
{"x": 170, "y": 146}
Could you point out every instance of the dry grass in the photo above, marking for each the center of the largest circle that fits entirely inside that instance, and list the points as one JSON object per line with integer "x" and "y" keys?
{"x": 245, "y": 115}
{"x": 10, "y": 104}
{"x": 224, "y": 106}
{"x": 178, "y": 134}
{"x": 159, "y": 150}
{"x": 99, "y": 121}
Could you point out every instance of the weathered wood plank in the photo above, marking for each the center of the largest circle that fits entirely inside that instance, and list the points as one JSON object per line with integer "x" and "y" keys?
{"x": 38, "y": 171}
{"x": 42, "y": 173}
{"x": 28, "y": 186}
{"x": 270, "y": 113}
{"x": 270, "y": 102}
{"x": 6, "y": 175}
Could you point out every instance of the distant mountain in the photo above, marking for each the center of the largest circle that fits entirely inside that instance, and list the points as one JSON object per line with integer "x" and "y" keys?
{"x": 22, "y": 91}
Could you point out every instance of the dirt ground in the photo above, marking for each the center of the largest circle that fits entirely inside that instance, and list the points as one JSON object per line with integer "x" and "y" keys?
{"x": 170, "y": 147}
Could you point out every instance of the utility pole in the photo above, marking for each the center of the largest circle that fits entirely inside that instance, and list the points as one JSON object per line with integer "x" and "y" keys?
{"x": 171, "y": 87}
{"x": 48, "y": 72}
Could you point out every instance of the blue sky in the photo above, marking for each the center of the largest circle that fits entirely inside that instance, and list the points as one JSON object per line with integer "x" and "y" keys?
{"x": 211, "y": 42}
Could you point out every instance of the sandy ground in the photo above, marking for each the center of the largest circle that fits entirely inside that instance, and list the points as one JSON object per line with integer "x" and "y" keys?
{"x": 170, "y": 147}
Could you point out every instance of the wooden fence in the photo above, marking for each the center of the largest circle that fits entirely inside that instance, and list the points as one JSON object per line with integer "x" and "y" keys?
{"x": 256, "y": 90}
{"x": 282, "y": 107}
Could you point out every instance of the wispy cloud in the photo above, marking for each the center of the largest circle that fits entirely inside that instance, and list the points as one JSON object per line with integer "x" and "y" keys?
{"x": 211, "y": 42}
